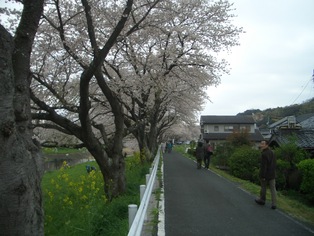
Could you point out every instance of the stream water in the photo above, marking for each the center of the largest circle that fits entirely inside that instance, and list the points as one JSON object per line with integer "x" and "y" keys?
{"x": 55, "y": 161}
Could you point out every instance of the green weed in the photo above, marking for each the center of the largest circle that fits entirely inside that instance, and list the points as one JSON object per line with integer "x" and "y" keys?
{"x": 75, "y": 204}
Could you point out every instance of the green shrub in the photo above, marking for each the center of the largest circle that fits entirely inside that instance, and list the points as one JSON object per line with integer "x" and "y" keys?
{"x": 244, "y": 162}
{"x": 307, "y": 171}
{"x": 281, "y": 174}
{"x": 255, "y": 176}
{"x": 222, "y": 153}
{"x": 291, "y": 153}
{"x": 192, "y": 144}
{"x": 133, "y": 162}
{"x": 113, "y": 219}
{"x": 288, "y": 156}
{"x": 240, "y": 138}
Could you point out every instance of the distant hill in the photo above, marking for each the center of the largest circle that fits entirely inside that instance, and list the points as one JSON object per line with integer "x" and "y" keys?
{"x": 272, "y": 115}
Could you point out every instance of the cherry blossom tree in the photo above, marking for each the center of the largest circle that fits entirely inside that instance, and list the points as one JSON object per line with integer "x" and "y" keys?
{"x": 163, "y": 72}
{"x": 21, "y": 164}
{"x": 70, "y": 92}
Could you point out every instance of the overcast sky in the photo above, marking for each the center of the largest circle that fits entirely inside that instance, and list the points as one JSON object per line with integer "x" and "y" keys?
{"x": 274, "y": 65}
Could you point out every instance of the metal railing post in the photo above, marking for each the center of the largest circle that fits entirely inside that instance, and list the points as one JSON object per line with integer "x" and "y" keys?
{"x": 142, "y": 191}
{"x": 132, "y": 214}
{"x": 147, "y": 178}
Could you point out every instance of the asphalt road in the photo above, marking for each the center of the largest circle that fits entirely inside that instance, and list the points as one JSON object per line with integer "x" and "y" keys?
{"x": 199, "y": 202}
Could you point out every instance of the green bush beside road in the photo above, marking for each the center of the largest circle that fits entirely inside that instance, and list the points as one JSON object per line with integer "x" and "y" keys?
{"x": 307, "y": 185}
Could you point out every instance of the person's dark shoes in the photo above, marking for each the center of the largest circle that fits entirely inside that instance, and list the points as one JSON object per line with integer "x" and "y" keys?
{"x": 260, "y": 202}
{"x": 273, "y": 207}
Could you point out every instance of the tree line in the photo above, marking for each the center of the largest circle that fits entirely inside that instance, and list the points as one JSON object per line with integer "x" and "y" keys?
{"x": 272, "y": 115}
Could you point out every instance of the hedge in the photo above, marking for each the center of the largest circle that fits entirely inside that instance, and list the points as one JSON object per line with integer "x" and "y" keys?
{"x": 244, "y": 163}
{"x": 307, "y": 171}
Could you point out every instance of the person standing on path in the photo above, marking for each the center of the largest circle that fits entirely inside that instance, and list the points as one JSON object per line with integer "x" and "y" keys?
{"x": 267, "y": 174}
{"x": 169, "y": 146}
{"x": 199, "y": 154}
{"x": 208, "y": 151}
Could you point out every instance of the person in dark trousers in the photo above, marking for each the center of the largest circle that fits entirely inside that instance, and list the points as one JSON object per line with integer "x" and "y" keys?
{"x": 169, "y": 146}
{"x": 267, "y": 174}
{"x": 199, "y": 154}
{"x": 208, "y": 151}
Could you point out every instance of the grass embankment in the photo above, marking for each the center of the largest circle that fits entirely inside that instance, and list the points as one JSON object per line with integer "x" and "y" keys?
{"x": 289, "y": 202}
{"x": 75, "y": 204}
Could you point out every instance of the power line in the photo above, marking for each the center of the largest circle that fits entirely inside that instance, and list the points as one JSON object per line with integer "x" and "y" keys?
{"x": 304, "y": 88}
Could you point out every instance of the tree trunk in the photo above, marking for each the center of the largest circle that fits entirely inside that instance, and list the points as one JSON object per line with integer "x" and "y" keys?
{"x": 112, "y": 169}
{"x": 21, "y": 166}
{"x": 152, "y": 138}
{"x": 114, "y": 177}
{"x": 140, "y": 136}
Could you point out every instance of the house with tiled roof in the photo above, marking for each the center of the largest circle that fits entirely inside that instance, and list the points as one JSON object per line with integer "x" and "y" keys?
{"x": 305, "y": 120}
{"x": 301, "y": 128}
{"x": 216, "y": 129}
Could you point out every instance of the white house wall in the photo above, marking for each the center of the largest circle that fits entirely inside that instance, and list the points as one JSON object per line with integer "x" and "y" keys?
{"x": 208, "y": 128}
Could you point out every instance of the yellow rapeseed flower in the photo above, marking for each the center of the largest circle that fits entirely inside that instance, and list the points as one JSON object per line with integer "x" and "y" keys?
{"x": 50, "y": 194}
{"x": 64, "y": 176}
{"x": 93, "y": 185}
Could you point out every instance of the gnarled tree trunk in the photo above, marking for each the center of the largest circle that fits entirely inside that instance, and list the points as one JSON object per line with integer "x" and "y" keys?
{"x": 21, "y": 167}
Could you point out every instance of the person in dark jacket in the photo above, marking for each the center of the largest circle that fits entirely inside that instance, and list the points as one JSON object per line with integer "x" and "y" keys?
{"x": 208, "y": 151}
{"x": 199, "y": 154}
{"x": 267, "y": 174}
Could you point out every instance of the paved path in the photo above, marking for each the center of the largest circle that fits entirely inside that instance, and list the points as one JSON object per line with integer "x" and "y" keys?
{"x": 199, "y": 202}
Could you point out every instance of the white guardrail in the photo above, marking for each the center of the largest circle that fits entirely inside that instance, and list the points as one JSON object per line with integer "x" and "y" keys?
{"x": 137, "y": 217}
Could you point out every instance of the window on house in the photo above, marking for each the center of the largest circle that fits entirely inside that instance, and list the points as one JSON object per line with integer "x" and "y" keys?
{"x": 206, "y": 129}
{"x": 216, "y": 128}
{"x": 228, "y": 128}
{"x": 245, "y": 127}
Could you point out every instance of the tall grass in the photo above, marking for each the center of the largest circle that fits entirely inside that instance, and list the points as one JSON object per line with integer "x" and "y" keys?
{"x": 75, "y": 204}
